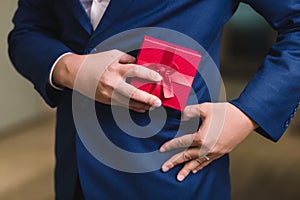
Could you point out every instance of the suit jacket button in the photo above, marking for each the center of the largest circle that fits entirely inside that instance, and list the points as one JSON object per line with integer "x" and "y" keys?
{"x": 292, "y": 116}
{"x": 287, "y": 124}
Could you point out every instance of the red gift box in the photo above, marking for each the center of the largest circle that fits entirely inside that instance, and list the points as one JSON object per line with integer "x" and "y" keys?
{"x": 177, "y": 66}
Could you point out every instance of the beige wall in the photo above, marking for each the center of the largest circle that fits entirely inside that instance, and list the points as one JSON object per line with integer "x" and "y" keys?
{"x": 18, "y": 100}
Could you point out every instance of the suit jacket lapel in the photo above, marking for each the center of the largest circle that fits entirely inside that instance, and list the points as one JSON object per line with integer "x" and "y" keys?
{"x": 80, "y": 14}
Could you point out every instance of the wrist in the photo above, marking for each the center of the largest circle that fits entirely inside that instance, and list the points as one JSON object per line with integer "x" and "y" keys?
{"x": 66, "y": 69}
{"x": 247, "y": 121}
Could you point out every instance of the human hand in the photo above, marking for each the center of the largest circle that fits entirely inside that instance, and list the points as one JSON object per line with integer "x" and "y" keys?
{"x": 223, "y": 127}
{"x": 107, "y": 71}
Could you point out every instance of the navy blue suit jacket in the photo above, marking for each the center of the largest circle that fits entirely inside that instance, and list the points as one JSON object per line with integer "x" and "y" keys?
{"x": 44, "y": 30}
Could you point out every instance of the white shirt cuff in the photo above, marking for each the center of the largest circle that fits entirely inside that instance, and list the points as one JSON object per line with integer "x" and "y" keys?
{"x": 51, "y": 72}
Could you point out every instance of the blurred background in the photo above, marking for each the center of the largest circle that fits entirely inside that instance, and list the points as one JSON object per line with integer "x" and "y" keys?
{"x": 260, "y": 169}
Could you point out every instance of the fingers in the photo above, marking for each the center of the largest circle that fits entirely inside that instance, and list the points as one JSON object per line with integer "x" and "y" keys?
{"x": 137, "y": 95}
{"x": 120, "y": 100}
{"x": 200, "y": 167}
{"x": 107, "y": 70}
{"x": 193, "y": 163}
{"x": 180, "y": 142}
{"x": 128, "y": 69}
{"x": 131, "y": 70}
{"x": 189, "y": 167}
{"x": 139, "y": 71}
{"x": 179, "y": 158}
{"x": 113, "y": 81}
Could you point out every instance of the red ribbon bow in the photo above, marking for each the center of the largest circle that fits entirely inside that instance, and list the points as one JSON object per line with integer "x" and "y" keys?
{"x": 168, "y": 71}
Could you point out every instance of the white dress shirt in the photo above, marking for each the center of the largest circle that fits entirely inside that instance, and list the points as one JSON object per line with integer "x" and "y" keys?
{"x": 95, "y": 9}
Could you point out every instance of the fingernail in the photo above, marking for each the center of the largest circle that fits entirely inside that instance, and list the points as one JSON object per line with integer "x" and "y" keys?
{"x": 180, "y": 178}
{"x": 157, "y": 77}
{"x": 157, "y": 103}
{"x": 195, "y": 171}
{"x": 162, "y": 149}
{"x": 165, "y": 168}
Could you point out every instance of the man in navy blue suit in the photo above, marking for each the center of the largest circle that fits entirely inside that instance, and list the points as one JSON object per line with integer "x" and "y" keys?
{"x": 51, "y": 41}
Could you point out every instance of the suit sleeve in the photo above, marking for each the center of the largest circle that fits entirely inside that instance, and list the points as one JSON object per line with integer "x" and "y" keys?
{"x": 272, "y": 97}
{"x": 34, "y": 45}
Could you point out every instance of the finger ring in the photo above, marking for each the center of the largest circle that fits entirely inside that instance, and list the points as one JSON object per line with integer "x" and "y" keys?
{"x": 199, "y": 161}
{"x": 205, "y": 157}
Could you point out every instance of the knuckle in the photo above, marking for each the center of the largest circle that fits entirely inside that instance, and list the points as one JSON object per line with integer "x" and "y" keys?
{"x": 104, "y": 80}
{"x": 185, "y": 171}
{"x": 205, "y": 108}
{"x": 189, "y": 167}
{"x": 103, "y": 93}
{"x": 113, "y": 67}
{"x": 135, "y": 70}
{"x": 171, "y": 164}
{"x": 179, "y": 143}
{"x": 188, "y": 114}
{"x": 186, "y": 156}
{"x": 151, "y": 74}
{"x": 133, "y": 93}
{"x": 107, "y": 82}
{"x": 198, "y": 140}
{"x": 148, "y": 100}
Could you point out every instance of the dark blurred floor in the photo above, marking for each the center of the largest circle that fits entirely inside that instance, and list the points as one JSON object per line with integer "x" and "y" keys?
{"x": 27, "y": 162}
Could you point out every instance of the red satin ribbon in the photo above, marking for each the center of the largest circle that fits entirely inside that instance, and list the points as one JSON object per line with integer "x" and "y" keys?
{"x": 169, "y": 77}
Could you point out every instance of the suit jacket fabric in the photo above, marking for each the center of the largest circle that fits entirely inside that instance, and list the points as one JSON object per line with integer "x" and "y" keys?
{"x": 44, "y": 30}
